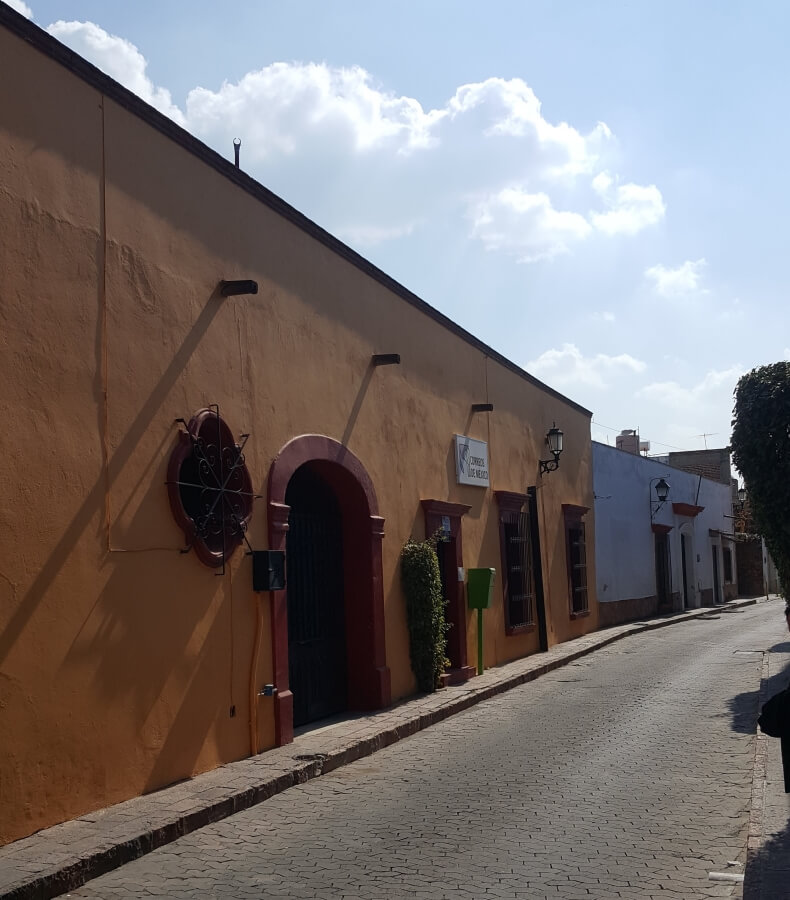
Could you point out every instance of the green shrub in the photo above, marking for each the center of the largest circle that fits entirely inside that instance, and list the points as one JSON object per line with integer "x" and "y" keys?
{"x": 428, "y": 629}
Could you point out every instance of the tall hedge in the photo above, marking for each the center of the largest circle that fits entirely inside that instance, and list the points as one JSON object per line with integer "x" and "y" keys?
{"x": 428, "y": 629}
{"x": 761, "y": 452}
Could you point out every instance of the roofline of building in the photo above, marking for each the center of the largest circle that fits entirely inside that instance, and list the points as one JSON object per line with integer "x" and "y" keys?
{"x": 55, "y": 50}
{"x": 666, "y": 465}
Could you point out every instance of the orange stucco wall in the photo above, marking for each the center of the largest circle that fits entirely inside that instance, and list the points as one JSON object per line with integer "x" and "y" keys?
{"x": 121, "y": 658}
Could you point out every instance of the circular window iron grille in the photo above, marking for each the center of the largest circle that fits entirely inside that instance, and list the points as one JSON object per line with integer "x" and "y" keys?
{"x": 210, "y": 488}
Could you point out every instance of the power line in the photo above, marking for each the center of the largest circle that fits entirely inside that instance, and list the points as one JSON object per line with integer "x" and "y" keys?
{"x": 659, "y": 443}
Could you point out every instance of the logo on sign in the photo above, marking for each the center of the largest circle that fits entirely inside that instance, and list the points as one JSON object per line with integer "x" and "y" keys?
{"x": 471, "y": 461}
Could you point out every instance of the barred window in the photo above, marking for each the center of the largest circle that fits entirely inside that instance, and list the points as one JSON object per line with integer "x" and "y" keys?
{"x": 518, "y": 581}
{"x": 576, "y": 548}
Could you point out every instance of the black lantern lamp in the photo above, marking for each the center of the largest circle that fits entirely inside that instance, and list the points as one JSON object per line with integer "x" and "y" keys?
{"x": 554, "y": 438}
{"x": 742, "y": 496}
{"x": 662, "y": 492}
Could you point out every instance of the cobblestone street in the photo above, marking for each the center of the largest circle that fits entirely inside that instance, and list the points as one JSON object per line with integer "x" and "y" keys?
{"x": 625, "y": 774}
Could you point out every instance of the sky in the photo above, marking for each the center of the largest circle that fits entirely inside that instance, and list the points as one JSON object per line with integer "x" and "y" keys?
{"x": 598, "y": 190}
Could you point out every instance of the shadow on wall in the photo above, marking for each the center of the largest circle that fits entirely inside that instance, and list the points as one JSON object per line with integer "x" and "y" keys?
{"x": 158, "y": 643}
{"x": 93, "y": 504}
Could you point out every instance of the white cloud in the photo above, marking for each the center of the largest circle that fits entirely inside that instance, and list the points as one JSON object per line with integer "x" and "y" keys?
{"x": 714, "y": 390}
{"x": 603, "y": 315}
{"x": 685, "y": 279}
{"x": 283, "y": 107}
{"x": 568, "y": 366}
{"x": 734, "y": 312}
{"x": 631, "y": 207}
{"x": 510, "y": 108}
{"x": 119, "y": 58}
{"x": 22, "y": 8}
{"x": 370, "y": 235}
{"x": 368, "y": 163}
{"x": 526, "y": 225}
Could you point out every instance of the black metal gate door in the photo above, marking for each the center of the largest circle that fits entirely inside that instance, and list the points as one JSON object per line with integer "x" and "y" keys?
{"x": 316, "y": 620}
{"x": 663, "y": 582}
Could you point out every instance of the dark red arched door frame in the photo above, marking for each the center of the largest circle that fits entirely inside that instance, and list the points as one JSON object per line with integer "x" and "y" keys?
{"x": 363, "y": 529}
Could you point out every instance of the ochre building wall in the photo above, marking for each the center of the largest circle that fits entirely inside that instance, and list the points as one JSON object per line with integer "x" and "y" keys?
{"x": 121, "y": 659}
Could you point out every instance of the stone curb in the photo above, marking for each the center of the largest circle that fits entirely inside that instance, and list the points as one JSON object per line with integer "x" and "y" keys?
{"x": 753, "y": 875}
{"x": 55, "y": 861}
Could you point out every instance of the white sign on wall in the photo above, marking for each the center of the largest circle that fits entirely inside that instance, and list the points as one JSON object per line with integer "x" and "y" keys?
{"x": 471, "y": 461}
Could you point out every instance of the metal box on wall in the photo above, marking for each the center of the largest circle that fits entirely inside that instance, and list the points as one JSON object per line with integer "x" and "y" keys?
{"x": 268, "y": 570}
{"x": 480, "y": 588}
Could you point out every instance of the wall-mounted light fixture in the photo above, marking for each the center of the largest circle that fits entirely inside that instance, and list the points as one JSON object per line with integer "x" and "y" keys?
{"x": 386, "y": 359}
{"x": 739, "y": 510}
{"x": 662, "y": 492}
{"x": 238, "y": 287}
{"x": 554, "y": 438}
{"x": 482, "y": 407}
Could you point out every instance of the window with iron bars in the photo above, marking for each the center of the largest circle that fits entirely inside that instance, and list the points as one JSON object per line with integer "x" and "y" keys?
{"x": 576, "y": 548}
{"x": 518, "y": 581}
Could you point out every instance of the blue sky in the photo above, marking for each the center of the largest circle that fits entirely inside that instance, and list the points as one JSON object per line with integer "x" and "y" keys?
{"x": 598, "y": 190}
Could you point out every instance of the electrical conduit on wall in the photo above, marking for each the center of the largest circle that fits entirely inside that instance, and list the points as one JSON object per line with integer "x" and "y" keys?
{"x": 254, "y": 677}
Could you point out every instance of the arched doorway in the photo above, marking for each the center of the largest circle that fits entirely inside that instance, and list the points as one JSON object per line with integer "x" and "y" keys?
{"x": 325, "y": 479}
{"x": 316, "y": 611}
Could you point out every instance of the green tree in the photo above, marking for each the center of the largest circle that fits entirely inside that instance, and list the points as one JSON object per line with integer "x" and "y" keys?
{"x": 761, "y": 452}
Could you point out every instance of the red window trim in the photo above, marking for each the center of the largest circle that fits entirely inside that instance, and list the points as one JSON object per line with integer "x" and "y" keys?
{"x": 511, "y": 502}
{"x": 687, "y": 509}
{"x": 573, "y": 516}
{"x": 434, "y": 511}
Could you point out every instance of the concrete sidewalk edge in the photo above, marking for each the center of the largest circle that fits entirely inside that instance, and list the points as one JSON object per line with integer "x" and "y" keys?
{"x": 89, "y": 862}
{"x": 752, "y": 887}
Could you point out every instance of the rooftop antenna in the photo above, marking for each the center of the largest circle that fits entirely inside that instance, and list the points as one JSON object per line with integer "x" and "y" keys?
{"x": 706, "y": 435}
{"x": 236, "y": 149}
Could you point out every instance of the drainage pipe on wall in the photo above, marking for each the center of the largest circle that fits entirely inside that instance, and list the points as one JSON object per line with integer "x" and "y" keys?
{"x": 254, "y": 678}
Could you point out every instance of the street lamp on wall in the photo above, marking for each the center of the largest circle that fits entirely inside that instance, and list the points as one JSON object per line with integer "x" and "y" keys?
{"x": 662, "y": 492}
{"x": 739, "y": 511}
{"x": 554, "y": 438}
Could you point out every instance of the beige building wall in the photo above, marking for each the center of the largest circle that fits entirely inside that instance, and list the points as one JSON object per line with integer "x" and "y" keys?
{"x": 124, "y": 664}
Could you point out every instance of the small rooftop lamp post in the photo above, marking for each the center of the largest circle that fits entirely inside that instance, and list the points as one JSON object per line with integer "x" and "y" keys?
{"x": 554, "y": 438}
{"x": 662, "y": 492}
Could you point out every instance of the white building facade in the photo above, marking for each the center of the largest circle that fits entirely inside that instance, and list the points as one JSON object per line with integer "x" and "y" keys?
{"x": 657, "y": 557}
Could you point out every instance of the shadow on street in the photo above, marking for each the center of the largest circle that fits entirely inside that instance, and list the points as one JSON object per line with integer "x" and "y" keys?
{"x": 744, "y": 708}
{"x": 768, "y": 870}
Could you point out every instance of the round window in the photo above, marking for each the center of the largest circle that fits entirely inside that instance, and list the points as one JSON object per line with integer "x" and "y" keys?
{"x": 210, "y": 488}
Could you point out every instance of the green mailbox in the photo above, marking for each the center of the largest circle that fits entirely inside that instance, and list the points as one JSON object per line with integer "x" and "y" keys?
{"x": 480, "y": 587}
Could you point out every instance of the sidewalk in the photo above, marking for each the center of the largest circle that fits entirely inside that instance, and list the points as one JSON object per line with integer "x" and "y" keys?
{"x": 768, "y": 857}
{"x": 65, "y": 856}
